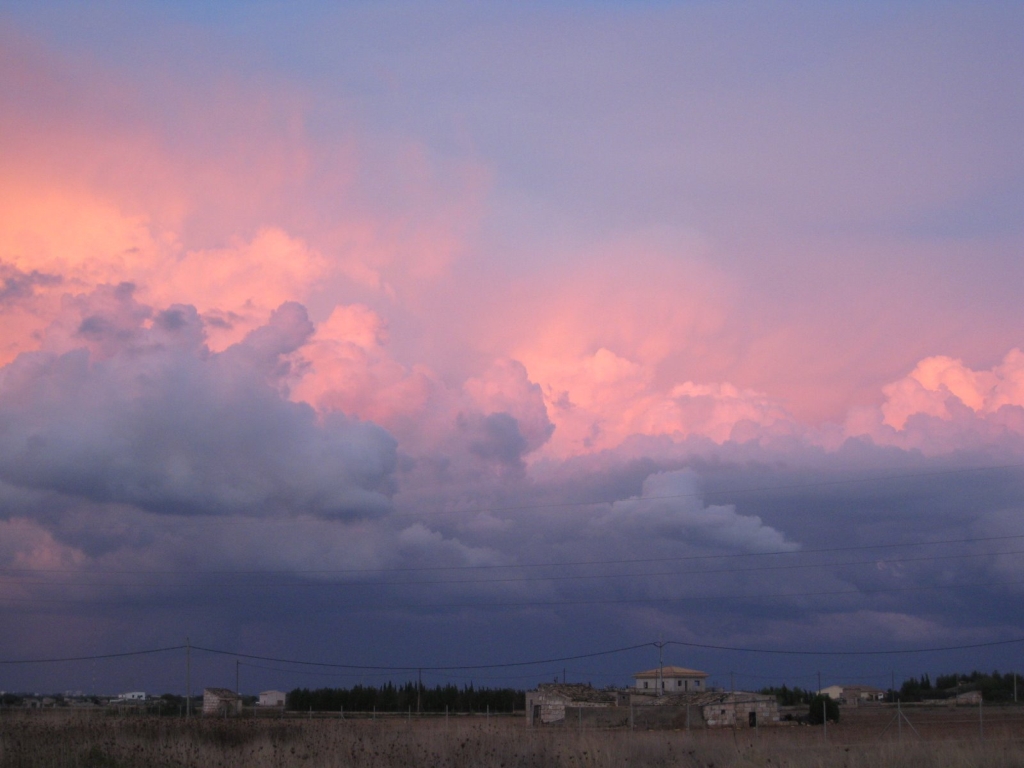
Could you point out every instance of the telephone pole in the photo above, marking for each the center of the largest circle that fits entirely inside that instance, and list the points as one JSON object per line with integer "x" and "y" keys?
{"x": 661, "y": 668}
{"x": 188, "y": 678}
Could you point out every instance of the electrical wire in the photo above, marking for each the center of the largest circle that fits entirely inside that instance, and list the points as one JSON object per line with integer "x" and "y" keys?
{"x": 511, "y": 664}
{"x": 96, "y": 657}
{"x": 425, "y": 668}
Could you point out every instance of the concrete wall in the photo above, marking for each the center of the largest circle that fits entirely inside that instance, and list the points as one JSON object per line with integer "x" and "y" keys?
{"x": 546, "y": 709}
{"x": 213, "y": 705}
{"x": 729, "y": 714}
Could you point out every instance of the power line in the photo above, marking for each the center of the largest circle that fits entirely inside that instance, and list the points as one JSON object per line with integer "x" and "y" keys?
{"x": 364, "y": 674}
{"x": 95, "y": 657}
{"x": 887, "y": 652}
{"x": 425, "y": 668}
{"x": 511, "y": 664}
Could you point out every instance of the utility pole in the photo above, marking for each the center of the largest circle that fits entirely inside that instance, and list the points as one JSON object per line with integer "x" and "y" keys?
{"x": 893, "y": 673}
{"x": 661, "y": 668}
{"x": 819, "y": 682}
{"x": 1014, "y": 687}
{"x": 238, "y": 689}
{"x": 419, "y": 690}
{"x": 899, "y": 719}
{"x": 188, "y": 678}
{"x": 732, "y": 682}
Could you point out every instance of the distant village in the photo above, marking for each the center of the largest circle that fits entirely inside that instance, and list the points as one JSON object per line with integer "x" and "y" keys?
{"x": 666, "y": 697}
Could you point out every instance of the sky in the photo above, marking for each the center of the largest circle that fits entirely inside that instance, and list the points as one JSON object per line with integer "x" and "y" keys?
{"x": 455, "y": 334}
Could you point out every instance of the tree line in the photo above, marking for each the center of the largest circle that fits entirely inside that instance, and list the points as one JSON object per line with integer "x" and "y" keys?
{"x": 994, "y": 686}
{"x": 409, "y": 696}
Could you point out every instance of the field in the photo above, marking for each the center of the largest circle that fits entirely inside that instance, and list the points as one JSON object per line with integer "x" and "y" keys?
{"x": 867, "y": 737}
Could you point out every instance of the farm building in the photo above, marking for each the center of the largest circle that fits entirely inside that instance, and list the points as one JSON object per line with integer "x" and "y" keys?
{"x": 711, "y": 709}
{"x": 737, "y": 709}
{"x": 671, "y": 680}
{"x": 549, "y": 702}
{"x": 853, "y": 694}
{"x": 969, "y": 697}
{"x": 571, "y": 704}
{"x": 221, "y": 702}
{"x": 271, "y": 699}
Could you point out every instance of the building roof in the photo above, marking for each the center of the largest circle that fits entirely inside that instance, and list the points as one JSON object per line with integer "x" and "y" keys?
{"x": 669, "y": 672}
{"x": 862, "y": 688}
{"x": 577, "y": 692}
{"x": 221, "y": 693}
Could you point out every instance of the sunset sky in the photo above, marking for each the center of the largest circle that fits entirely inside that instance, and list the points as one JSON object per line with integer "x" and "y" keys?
{"x": 443, "y": 334}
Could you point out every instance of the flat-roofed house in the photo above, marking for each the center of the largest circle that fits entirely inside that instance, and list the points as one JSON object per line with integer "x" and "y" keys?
{"x": 671, "y": 680}
{"x": 853, "y": 694}
{"x": 272, "y": 699}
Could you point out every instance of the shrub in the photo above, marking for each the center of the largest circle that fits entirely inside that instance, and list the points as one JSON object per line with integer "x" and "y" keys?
{"x": 823, "y": 704}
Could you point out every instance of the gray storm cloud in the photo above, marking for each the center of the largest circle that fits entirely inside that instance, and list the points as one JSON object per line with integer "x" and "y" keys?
{"x": 131, "y": 407}
{"x": 670, "y": 506}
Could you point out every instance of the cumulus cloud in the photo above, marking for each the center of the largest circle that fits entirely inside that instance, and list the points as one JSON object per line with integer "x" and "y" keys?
{"x": 943, "y": 405}
{"x": 128, "y": 405}
{"x": 928, "y": 389}
{"x": 496, "y": 418}
{"x": 670, "y": 507}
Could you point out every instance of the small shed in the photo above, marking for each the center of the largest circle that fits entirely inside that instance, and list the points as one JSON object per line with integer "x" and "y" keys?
{"x": 738, "y": 709}
{"x": 272, "y": 699}
{"x": 547, "y": 704}
{"x": 221, "y": 702}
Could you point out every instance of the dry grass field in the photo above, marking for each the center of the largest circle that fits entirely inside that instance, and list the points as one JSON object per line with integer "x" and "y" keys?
{"x": 942, "y": 739}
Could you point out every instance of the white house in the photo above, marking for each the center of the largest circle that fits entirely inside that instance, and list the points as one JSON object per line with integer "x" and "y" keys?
{"x": 132, "y": 696}
{"x": 272, "y": 699}
{"x": 670, "y": 680}
{"x": 853, "y": 694}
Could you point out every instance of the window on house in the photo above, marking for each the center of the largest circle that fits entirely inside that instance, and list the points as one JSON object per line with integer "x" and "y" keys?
{"x": 678, "y": 683}
{"x": 645, "y": 683}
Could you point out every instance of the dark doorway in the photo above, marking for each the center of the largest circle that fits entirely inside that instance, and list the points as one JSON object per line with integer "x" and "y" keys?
{"x": 752, "y": 719}
{"x": 536, "y": 714}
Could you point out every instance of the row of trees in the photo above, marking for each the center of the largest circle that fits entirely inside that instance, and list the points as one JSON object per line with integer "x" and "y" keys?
{"x": 789, "y": 697}
{"x": 994, "y": 686}
{"x": 410, "y": 696}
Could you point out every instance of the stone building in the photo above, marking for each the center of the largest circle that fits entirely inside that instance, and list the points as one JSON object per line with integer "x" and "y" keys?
{"x": 548, "y": 703}
{"x": 221, "y": 702}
